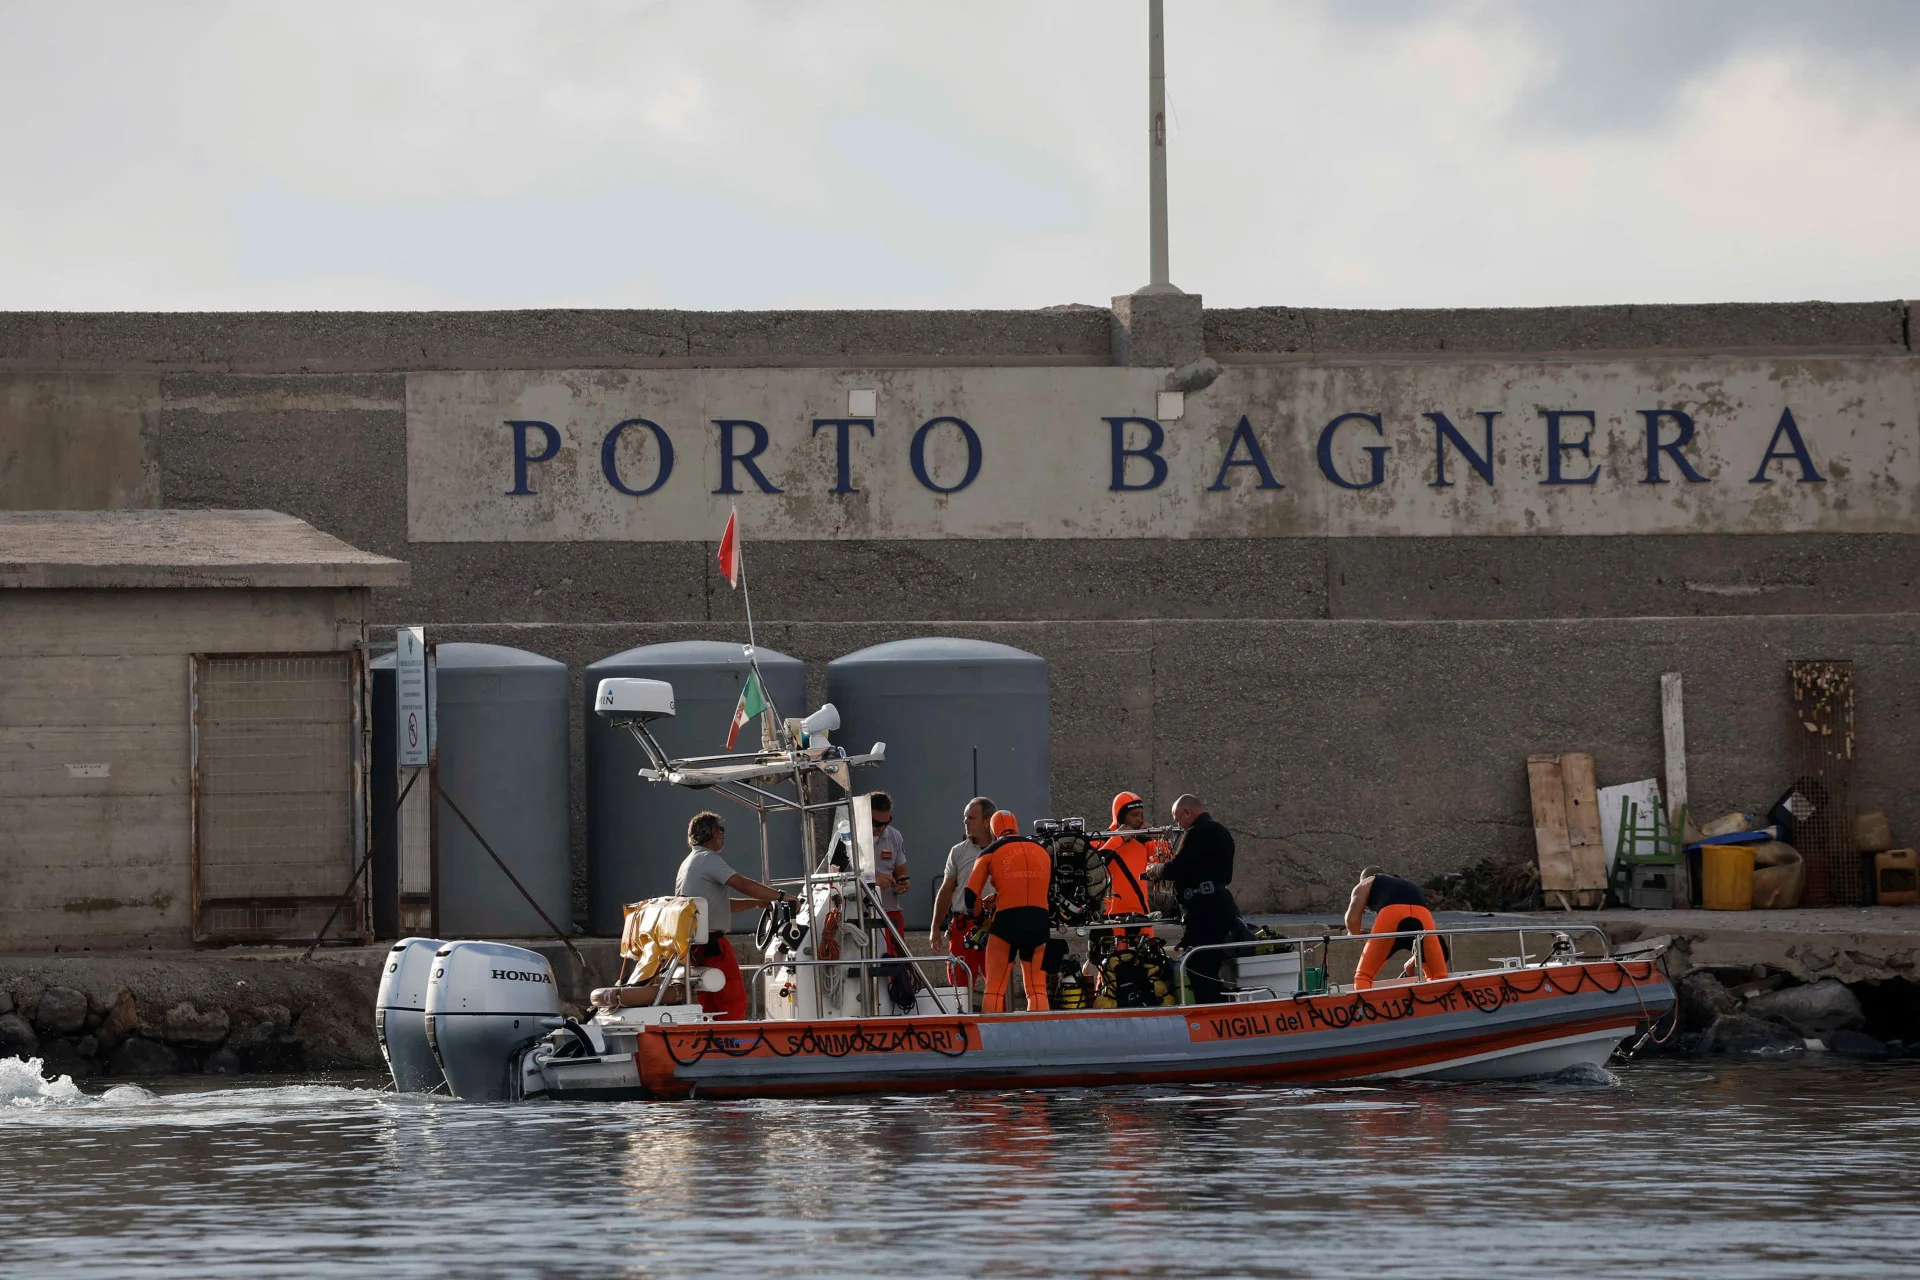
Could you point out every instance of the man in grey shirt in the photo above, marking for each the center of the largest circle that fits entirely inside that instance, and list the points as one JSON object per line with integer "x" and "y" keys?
{"x": 957, "y": 925}
{"x": 705, "y": 874}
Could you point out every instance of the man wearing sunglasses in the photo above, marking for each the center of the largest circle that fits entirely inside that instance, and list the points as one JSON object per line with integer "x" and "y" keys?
{"x": 890, "y": 865}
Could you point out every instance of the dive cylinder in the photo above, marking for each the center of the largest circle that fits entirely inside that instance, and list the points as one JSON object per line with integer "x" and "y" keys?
{"x": 486, "y": 1001}
{"x": 400, "y": 1016}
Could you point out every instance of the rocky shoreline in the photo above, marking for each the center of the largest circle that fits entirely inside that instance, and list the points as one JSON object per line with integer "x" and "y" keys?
{"x": 1758, "y": 1011}
{"x": 128, "y": 1017}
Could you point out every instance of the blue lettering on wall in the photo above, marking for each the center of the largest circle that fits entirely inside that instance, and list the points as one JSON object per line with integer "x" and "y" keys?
{"x": 728, "y": 458}
{"x": 610, "y": 459}
{"x": 1443, "y": 431}
{"x": 1557, "y": 447}
{"x": 1796, "y": 450}
{"x": 1377, "y": 453}
{"x": 521, "y": 457}
{"x": 917, "y": 455}
{"x": 1671, "y": 448}
{"x": 1156, "y": 437}
{"x": 1243, "y": 434}
{"x": 843, "y": 482}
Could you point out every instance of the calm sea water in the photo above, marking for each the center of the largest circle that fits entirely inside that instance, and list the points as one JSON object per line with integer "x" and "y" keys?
{"x": 1660, "y": 1169}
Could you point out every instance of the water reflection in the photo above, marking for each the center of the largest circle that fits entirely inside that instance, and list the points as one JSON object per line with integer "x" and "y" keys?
{"x": 1768, "y": 1169}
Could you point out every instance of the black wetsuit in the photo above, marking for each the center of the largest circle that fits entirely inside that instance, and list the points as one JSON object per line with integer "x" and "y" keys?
{"x": 1201, "y": 872}
{"x": 1391, "y": 891}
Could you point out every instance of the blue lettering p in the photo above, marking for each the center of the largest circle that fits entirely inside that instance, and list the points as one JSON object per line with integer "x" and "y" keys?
{"x": 522, "y": 459}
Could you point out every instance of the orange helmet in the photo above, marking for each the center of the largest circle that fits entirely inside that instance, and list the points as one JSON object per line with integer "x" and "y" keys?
{"x": 1004, "y": 823}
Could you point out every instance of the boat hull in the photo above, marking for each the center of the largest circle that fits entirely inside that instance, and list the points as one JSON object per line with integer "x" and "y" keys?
{"x": 1502, "y": 1025}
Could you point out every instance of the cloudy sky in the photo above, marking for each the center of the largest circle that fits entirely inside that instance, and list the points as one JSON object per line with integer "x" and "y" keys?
{"x": 832, "y": 153}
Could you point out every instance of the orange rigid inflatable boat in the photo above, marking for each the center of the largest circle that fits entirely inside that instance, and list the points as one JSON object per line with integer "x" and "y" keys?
{"x": 1503, "y": 1024}
{"x": 840, "y": 1011}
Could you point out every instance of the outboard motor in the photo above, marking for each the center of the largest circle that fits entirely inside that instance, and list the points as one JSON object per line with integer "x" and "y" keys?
{"x": 486, "y": 1001}
{"x": 400, "y": 1016}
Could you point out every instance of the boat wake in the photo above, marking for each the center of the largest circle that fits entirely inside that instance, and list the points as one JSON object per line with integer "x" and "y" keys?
{"x": 1586, "y": 1073}
{"x": 23, "y": 1086}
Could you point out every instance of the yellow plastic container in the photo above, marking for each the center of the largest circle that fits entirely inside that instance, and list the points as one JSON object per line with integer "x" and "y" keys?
{"x": 1726, "y": 877}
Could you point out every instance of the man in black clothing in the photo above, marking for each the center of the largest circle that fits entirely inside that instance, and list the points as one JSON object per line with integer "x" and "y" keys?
{"x": 1201, "y": 871}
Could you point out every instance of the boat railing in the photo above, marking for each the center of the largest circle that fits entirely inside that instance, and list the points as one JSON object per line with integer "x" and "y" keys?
{"x": 874, "y": 919}
{"x": 1414, "y": 937}
{"x": 751, "y": 973}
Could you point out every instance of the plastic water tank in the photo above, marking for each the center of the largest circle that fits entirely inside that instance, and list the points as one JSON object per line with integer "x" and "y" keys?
{"x": 960, "y": 718}
{"x": 637, "y": 830}
{"x": 502, "y": 724}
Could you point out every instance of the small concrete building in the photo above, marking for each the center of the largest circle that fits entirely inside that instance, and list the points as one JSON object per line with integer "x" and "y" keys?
{"x": 182, "y": 726}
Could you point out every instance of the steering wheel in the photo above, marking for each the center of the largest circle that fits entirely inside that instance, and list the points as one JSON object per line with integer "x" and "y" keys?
{"x": 774, "y": 918}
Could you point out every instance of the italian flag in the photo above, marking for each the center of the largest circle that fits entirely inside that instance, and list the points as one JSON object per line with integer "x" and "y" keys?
{"x": 753, "y": 701}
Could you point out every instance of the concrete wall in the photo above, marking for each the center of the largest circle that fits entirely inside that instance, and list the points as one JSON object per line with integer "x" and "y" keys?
{"x": 78, "y": 441}
{"x": 93, "y": 860}
{"x": 1338, "y": 699}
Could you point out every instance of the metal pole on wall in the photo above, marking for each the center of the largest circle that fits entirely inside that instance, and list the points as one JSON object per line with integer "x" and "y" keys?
{"x": 1157, "y": 144}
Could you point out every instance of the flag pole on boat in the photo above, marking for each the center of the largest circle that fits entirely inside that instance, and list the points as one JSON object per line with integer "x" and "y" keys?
{"x": 733, "y": 567}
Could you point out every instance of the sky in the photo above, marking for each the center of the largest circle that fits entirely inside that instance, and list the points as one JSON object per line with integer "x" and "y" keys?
{"x": 722, "y": 154}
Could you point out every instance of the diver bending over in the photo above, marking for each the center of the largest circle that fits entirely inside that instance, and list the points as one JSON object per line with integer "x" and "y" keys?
{"x": 1398, "y": 906}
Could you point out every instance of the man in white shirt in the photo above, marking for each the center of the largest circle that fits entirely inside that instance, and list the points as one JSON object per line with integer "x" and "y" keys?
{"x": 705, "y": 874}
{"x": 890, "y": 865}
{"x": 958, "y": 925}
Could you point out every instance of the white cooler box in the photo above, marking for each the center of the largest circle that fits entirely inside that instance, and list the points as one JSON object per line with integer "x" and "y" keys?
{"x": 1278, "y": 972}
{"x": 956, "y": 999}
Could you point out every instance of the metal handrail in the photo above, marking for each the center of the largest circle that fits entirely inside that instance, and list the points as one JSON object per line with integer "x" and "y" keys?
{"x": 1326, "y": 940}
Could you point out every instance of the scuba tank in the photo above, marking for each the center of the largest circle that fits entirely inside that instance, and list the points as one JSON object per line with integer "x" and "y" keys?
{"x": 1080, "y": 879}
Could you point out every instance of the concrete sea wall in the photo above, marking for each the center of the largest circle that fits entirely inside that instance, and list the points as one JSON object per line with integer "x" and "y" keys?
{"x": 1337, "y": 699}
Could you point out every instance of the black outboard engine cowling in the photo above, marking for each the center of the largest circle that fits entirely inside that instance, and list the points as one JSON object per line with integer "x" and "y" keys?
{"x": 486, "y": 1002}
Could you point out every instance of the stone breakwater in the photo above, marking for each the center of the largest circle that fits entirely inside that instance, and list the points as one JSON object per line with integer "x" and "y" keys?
{"x": 112, "y": 1016}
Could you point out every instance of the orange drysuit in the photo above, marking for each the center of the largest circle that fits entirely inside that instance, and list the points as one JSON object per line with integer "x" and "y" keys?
{"x": 1123, "y": 898}
{"x": 1022, "y": 875}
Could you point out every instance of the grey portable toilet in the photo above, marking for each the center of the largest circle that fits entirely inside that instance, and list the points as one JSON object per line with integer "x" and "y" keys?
{"x": 960, "y": 718}
{"x": 637, "y": 830}
{"x": 502, "y": 731}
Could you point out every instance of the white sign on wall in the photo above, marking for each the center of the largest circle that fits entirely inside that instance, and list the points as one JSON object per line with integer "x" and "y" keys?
{"x": 410, "y": 697}
{"x": 1368, "y": 448}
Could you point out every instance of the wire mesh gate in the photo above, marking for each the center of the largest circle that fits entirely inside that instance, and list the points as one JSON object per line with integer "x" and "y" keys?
{"x": 1821, "y": 800}
{"x": 278, "y": 814}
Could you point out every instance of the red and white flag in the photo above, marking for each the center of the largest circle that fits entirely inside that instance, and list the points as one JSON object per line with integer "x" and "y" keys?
{"x": 730, "y": 549}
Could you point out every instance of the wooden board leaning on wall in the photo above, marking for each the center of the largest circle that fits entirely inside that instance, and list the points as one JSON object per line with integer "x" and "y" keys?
{"x": 1566, "y": 830}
